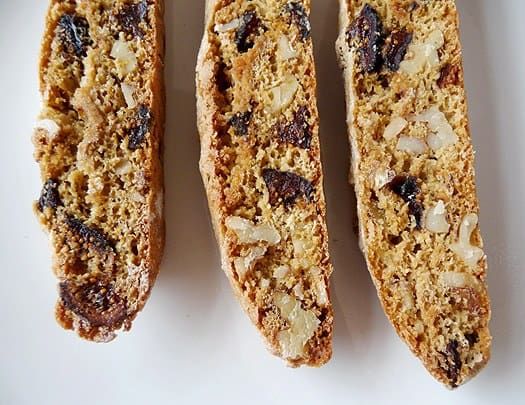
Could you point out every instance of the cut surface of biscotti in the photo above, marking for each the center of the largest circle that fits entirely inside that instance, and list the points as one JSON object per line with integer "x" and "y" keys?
{"x": 98, "y": 144}
{"x": 261, "y": 167}
{"x": 413, "y": 169}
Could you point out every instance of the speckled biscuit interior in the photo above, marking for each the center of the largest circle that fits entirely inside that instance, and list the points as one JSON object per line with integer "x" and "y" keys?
{"x": 98, "y": 144}
{"x": 413, "y": 169}
{"x": 261, "y": 166}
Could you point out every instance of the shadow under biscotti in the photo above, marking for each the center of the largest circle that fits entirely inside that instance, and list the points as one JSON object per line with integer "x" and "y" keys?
{"x": 354, "y": 298}
{"x": 481, "y": 85}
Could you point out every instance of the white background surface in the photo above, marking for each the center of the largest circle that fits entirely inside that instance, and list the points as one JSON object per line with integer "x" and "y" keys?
{"x": 192, "y": 344}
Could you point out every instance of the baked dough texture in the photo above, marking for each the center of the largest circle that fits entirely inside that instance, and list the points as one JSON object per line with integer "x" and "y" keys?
{"x": 261, "y": 166}
{"x": 413, "y": 171}
{"x": 98, "y": 143}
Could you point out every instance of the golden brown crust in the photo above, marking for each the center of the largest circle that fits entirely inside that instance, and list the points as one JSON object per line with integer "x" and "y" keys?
{"x": 230, "y": 201}
{"x": 99, "y": 146}
{"x": 413, "y": 169}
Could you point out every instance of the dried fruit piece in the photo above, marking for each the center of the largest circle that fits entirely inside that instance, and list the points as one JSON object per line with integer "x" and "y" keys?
{"x": 96, "y": 302}
{"x": 472, "y": 338}
{"x": 130, "y": 16}
{"x": 300, "y": 17}
{"x": 73, "y": 31}
{"x": 449, "y": 76}
{"x": 248, "y": 28}
{"x": 366, "y": 33}
{"x": 453, "y": 362}
{"x": 89, "y": 235}
{"x": 49, "y": 197}
{"x": 286, "y": 187}
{"x": 396, "y": 48}
{"x": 297, "y": 132}
{"x": 240, "y": 123}
{"x": 138, "y": 133}
{"x": 406, "y": 187}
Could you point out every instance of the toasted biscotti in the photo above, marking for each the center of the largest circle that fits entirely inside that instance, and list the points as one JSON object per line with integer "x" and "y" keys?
{"x": 261, "y": 166}
{"x": 413, "y": 169}
{"x": 98, "y": 143}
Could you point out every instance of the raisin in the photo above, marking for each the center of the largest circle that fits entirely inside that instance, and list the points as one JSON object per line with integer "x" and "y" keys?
{"x": 286, "y": 187}
{"x": 73, "y": 31}
{"x": 366, "y": 32}
{"x": 406, "y": 187}
{"x": 396, "y": 48}
{"x": 300, "y": 18}
{"x": 472, "y": 338}
{"x": 96, "y": 302}
{"x": 130, "y": 16}
{"x": 449, "y": 76}
{"x": 244, "y": 36}
{"x": 453, "y": 362}
{"x": 89, "y": 235}
{"x": 240, "y": 123}
{"x": 49, "y": 197}
{"x": 297, "y": 132}
{"x": 138, "y": 133}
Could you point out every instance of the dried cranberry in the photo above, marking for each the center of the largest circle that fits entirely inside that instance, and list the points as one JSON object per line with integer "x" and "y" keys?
{"x": 49, "y": 197}
{"x": 300, "y": 17}
{"x": 240, "y": 123}
{"x": 297, "y": 132}
{"x": 366, "y": 33}
{"x": 89, "y": 235}
{"x": 449, "y": 76}
{"x": 286, "y": 187}
{"x": 453, "y": 362}
{"x": 472, "y": 338}
{"x": 73, "y": 31}
{"x": 244, "y": 36}
{"x": 130, "y": 16}
{"x": 407, "y": 188}
{"x": 138, "y": 133}
{"x": 396, "y": 48}
{"x": 96, "y": 302}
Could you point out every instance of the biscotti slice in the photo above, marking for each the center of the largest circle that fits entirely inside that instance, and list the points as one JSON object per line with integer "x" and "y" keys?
{"x": 98, "y": 143}
{"x": 413, "y": 169}
{"x": 261, "y": 166}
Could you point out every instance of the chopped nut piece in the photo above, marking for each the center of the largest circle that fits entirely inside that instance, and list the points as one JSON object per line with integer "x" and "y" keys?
{"x": 283, "y": 94}
{"x": 247, "y": 232}
{"x": 284, "y": 49}
{"x": 423, "y": 54}
{"x": 127, "y": 92}
{"x": 245, "y": 263}
{"x": 281, "y": 272}
{"x": 125, "y": 59}
{"x": 50, "y": 126}
{"x": 443, "y": 134}
{"x": 411, "y": 145}
{"x": 436, "y": 219}
{"x": 303, "y": 325}
{"x": 230, "y": 26}
{"x": 396, "y": 126}
{"x": 469, "y": 253}
{"x": 382, "y": 177}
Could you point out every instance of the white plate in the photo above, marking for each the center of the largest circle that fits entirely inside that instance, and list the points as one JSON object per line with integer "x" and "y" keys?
{"x": 192, "y": 344}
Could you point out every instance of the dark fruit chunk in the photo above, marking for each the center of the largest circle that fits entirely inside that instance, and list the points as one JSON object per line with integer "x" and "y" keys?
{"x": 449, "y": 76}
{"x": 49, "y": 197}
{"x": 130, "y": 16}
{"x": 246, "y": 32}
{"x": 366, "y": 33}
{"x": 74, "y": 34}
{"x": 396, "y": 48}
{"x": 138, "y": 133}
{"x": 96, "y": 302}
{"x": 90, "y": 236}
{"x": 300, "y": 17}
{"x": 240, "y": 123}
{"x": 297, "y": 132}
{"x": 286, "y": 187}
{"x": 406, "y": 187}
{"x": 221, "y": 78}
{"x": 453, "y": 362}
{"x": 472, "y": 338}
